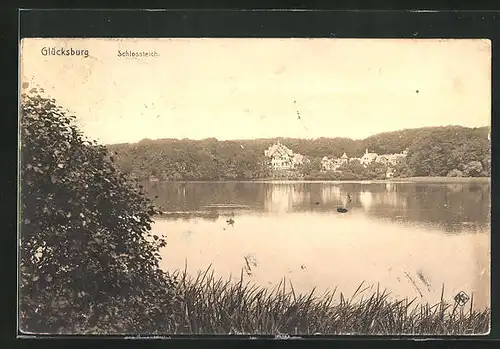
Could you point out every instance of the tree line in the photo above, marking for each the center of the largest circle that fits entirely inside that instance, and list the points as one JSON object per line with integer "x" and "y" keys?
{"x": 432, "y": 151}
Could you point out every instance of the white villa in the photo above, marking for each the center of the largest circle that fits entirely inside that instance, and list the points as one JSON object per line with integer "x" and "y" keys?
{"x": 328, "y": 164}
{"x": 368, "y": 158}
{"x": 283, "y": 158}
{"x": 389, "y": 160}
{"x": 344, "y": 159}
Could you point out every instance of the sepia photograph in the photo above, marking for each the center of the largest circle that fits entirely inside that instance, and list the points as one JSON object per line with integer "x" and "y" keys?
{"x": 245, "y": 186}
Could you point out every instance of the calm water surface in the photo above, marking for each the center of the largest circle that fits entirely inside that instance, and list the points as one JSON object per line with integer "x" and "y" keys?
{"x": 410, "y": 238}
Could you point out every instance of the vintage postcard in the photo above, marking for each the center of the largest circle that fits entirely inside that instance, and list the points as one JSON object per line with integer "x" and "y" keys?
{"x": 284, "y": 187}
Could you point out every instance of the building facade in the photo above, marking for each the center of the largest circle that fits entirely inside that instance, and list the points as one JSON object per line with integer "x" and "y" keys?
{"x": 283, "y": 158}
{"x": 389, "y": 160}
{"x": 368, "y": 158}
{"x": 328, "y": 164}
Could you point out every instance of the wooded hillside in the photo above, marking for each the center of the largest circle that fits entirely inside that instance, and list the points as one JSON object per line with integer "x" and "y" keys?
{"x": 432, "y": 151}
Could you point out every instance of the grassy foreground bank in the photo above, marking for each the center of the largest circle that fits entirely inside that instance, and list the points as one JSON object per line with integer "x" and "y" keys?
{"x": 217, "y": 306}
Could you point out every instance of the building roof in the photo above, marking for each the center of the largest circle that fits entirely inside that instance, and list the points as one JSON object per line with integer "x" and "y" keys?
{"x": 344, "y": 156}
{"x": 278, "y": 149}
{"x": 369, "y": 155}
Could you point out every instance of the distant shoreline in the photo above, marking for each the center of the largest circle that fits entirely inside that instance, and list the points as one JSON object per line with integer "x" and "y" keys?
{"x": 442, "y": 179}
{"x": 391, "y": 180}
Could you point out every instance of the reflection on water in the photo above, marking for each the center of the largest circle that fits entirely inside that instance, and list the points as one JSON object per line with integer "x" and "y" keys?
{"x": 448, "y": 206}
{"x": 366, "y": 199}
{"x": 283, "y": 198}
{"x": 332, "y": 193}
{"x": 409, "y": 237}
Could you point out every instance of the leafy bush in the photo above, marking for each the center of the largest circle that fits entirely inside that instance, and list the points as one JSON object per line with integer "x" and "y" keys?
{"x": 473, "y": 169}
{"x": 87, "y": 252}
{"x": 455, "y": 173}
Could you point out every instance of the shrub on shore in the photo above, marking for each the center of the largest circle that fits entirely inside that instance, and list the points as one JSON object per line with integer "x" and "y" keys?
{"x": 87, "y": 249}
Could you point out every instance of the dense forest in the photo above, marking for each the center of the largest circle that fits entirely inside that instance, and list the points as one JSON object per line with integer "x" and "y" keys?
{"x": 432, "y": 151}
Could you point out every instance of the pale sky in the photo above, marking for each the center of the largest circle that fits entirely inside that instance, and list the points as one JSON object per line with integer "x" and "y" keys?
{"x": 246, "y": 88}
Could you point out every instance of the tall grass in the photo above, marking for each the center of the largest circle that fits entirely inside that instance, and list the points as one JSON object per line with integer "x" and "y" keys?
{"x": 212, "y": 305}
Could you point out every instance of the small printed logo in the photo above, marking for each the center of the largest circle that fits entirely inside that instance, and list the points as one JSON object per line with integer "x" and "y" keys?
{"x": 461, "y": 298}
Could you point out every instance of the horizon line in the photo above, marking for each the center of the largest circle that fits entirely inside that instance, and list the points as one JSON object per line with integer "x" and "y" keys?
{"x": 285, "y": 137}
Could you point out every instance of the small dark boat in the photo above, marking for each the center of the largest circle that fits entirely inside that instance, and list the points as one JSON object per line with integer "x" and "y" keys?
{"x": 342, "y": 210}
{"x": 230, "y": 221}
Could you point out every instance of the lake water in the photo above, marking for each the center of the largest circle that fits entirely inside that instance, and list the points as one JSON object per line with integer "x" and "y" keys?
{"x": 409, "y": 238}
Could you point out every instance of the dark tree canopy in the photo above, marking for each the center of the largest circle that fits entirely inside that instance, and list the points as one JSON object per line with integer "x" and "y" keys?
{"x": 87, "y": 250}
{"x": 442, "y": 150}
{"x": 433, "y": 151}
